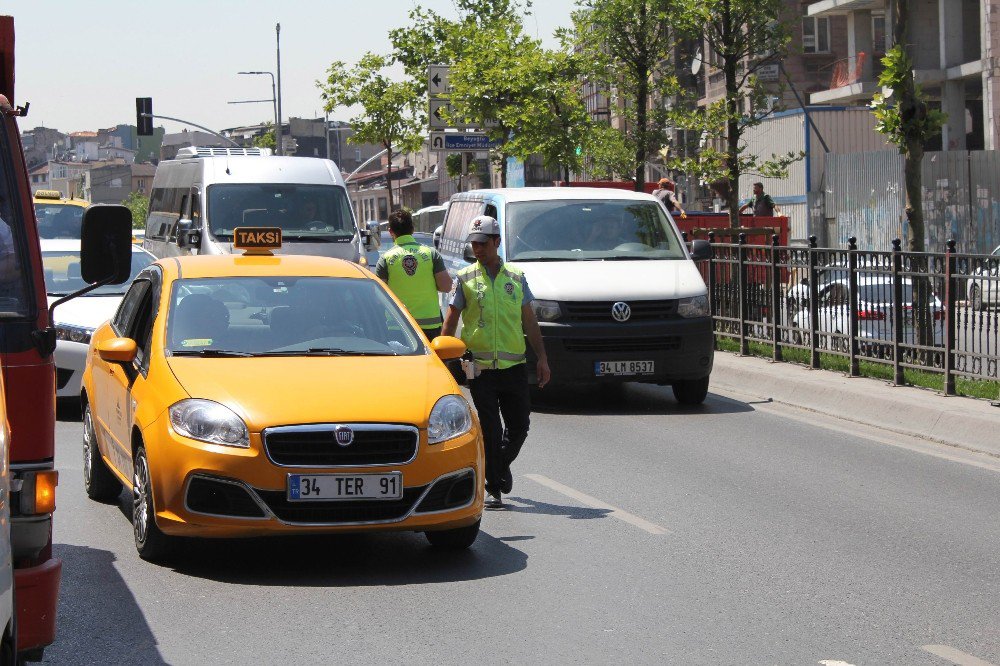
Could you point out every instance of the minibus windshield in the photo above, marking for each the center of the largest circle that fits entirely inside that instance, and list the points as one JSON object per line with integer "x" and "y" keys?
{"x": 305, "y": 213}
{"x": 590, "y": 230}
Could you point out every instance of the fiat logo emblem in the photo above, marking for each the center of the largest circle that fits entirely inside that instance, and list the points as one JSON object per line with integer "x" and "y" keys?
{"x": 343, "y": 435}
{"x": 621, "y": 311}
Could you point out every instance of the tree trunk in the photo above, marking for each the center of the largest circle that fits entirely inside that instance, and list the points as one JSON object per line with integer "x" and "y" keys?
{"x": 388, "y": 171}
{"x": 641, "y": 100}
{"x": 732, "y": 143}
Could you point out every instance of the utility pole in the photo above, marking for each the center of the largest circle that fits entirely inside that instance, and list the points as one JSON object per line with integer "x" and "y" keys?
{"x": 279, "y": 133}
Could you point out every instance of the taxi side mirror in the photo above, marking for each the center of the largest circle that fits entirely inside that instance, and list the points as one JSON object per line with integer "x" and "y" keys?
{"x": 447, "y": 347}
{"x": 117, "y": 350}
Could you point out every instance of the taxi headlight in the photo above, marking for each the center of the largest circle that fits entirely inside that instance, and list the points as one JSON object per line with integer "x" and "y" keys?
{"x": 546, "y": 310}
{"x": 210, "y": 422}
{"x": 696, "y": 306}
{"x": 450, "y": 418}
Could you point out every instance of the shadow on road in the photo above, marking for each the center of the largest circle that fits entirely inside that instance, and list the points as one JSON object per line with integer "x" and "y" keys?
{"x": 397, "y": 558}
{"x": 525, "y": 505}
{"x": 99, "y": 620}
{"x": 625, "y": 400}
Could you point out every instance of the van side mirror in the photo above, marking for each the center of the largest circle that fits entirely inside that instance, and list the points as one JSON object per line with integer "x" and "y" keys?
{"x": 372, "y": 236}
{"x": 187, "y": 235}
{"x": 106, "y": 244}
{"x": 701, "y": 250}
{"x": 468, "y": 254}
{"x": 436, "y": 237}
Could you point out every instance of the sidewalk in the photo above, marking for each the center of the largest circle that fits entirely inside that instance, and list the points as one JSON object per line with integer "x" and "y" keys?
{"x": 962, "y": 422}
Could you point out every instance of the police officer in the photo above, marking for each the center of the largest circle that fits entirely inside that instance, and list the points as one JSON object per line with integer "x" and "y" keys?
{"x": 415, "y": 273}
{"x": 494, "y": 302}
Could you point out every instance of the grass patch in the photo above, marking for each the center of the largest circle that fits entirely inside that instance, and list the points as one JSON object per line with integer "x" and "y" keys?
{"x": 972, "y": 388}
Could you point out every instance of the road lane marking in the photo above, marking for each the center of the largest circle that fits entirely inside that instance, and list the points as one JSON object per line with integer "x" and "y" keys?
{"x": 595, "y": 503}
{"x": 954, "y": 656}
{"x": 835, "y": 662}
{"x": 875, "y": 434}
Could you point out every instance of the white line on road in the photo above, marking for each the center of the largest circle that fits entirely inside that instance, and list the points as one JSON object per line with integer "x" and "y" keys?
{"x": 595, "y": 503}
{"x": 954, "y": 656}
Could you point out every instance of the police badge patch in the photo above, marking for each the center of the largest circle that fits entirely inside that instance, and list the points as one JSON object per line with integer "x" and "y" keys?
{"x": 410, "y": 264}
{"x": 509, "y": 288}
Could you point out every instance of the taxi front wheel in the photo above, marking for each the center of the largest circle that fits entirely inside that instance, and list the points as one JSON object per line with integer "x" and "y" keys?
{"x": 98, "y": 481}
{"x": 150, "y": 542}
{"x": 456, "y": 539}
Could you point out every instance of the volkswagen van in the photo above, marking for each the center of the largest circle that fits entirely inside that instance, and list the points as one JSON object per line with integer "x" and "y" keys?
{"x": 224, "y": 395}
{"x": 618, "y": 295}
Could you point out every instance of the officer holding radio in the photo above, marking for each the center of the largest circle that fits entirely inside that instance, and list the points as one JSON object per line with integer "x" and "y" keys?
{"x": 494, "y": 301}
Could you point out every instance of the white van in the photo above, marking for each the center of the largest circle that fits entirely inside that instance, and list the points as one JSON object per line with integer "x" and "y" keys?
{"x": 198, "y": 199}
{"x": 618, "y": 295}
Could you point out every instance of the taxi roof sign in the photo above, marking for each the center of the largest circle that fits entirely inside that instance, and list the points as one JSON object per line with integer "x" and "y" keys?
{"x": 257, "y": 240}
{"x": 48, "y": 194}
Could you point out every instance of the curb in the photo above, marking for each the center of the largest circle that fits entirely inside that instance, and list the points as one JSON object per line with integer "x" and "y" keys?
{"x": 961, "y": 422}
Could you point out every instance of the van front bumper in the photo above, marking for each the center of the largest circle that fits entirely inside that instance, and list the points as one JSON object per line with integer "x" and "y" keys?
{"x": 680, "y": 349}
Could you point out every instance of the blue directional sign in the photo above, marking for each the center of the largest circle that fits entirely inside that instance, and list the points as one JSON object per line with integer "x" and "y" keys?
{"x": 460, "y": 141}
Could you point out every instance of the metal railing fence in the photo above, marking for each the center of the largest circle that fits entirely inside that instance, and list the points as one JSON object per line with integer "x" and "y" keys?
{"x": 935, "y": 312}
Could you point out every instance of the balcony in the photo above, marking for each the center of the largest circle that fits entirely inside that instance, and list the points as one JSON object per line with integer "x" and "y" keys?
{"x": 851, "y": 80}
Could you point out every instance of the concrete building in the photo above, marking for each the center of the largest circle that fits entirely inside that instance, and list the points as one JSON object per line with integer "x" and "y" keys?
{"x": 107, "y": 182}
{"x": 67, "y": 178}
{"x": 142, "y": 177}
{"x": 171, "y": 143}
{"x": 84, "y": 146}
{"x": 955, "y": 45}
{"x": 39, "y": 178}
{"x": 111, "y": 152}
{"x": 42, "y": 144}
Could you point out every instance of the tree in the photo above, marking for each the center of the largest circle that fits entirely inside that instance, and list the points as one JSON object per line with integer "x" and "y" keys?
{"x": 266, "y": 140}
{"x": 903, "y": 116}
{"x": 138, "y": 204}
{"x": 625, "y": 44}
{"x": 392, "y": 113}
{"x": 743, "y": 36}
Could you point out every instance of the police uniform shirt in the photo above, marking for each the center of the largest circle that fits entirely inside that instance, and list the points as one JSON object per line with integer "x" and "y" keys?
{"x": 458, "y": 296}
{"x": 382, "y": 267}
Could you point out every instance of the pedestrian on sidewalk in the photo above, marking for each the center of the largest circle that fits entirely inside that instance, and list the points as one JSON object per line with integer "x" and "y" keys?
{"x": 415, "y": 273}
{"x": 667, "y": 195}
{"x": 494, "y": 302}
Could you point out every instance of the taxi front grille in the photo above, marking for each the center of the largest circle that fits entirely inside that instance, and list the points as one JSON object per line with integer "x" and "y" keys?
{"x": 340, "y": 512}
{"x": 317, "y": 446}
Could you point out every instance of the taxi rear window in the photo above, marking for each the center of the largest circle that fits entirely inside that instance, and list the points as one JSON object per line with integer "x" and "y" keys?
{"x": 59, "y": 220}
{"x": 286, "y": 316}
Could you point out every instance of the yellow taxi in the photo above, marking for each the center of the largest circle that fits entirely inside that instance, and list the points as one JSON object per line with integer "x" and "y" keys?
{"x": 248, "y": 395}
{"x": 58, "y": 217}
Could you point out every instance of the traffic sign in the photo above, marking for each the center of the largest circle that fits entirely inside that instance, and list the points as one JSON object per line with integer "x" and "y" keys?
{"x": 439, "y": 108}
{"x": 461, "y": 141}
{"x": 437, "y": 80}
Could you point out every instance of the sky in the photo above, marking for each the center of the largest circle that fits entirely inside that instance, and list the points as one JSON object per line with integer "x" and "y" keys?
{"x": 82, "y": 63}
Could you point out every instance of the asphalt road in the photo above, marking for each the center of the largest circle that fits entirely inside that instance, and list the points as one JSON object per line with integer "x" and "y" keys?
{"x": 637, "y": 532}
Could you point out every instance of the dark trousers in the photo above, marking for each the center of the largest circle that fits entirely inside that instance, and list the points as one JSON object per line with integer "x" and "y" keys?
{"x": 432, "y": 333}
{"x": 503, "y": 393}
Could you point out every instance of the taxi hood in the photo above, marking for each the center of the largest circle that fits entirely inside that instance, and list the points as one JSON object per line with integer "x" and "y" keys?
{"x": 612, "y": 280}
{"x": 272, "y": 391}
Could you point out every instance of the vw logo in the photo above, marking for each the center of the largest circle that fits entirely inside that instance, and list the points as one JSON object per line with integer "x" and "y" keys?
{"x": 343, "y": 435}
{"x": 621, "y": 311}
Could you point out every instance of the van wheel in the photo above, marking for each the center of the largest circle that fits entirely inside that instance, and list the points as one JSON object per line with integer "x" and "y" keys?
{"x": 456, "y": 539}
{"x": 691, "y": 391}
{"x": 150, "y": 542}
{"x": 98, "y": 481}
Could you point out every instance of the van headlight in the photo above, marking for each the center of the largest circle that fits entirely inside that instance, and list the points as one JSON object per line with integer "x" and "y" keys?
{"x": 696, "y": 306}
{"x": 208, "y": 421}
{"x": 450, "y": 418}
{"x": 72, "y": 333}
{"x": 546, "y": 310}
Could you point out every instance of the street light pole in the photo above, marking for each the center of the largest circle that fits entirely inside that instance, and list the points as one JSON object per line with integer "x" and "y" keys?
{"x": 279, "y": 132}
{"x": 273, "y": 101}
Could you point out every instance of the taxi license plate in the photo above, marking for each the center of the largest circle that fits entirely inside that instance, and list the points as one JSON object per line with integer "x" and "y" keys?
{"x": 623, "y": 368}
{"x": 309, "y": 487}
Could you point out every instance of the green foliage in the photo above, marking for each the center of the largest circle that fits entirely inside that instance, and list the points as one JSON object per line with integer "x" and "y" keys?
{"x": 903, "y": 117}
{"x": 139, "y": 205}
{"x": 266, "y": 140}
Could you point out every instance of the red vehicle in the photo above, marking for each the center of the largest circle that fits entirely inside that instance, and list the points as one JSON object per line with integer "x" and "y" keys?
{"x": 26, "y": 345}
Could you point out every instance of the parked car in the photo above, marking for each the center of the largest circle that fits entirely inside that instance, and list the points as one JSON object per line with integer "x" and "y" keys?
{"x": 875, "y": 311}
{"x": 985, "y": 290}
{"x": 77, "y": 319}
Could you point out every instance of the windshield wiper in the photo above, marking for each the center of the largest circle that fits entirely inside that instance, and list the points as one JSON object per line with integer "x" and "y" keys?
{"x": 326, "y": 351}
{"x": 213, "y": 353}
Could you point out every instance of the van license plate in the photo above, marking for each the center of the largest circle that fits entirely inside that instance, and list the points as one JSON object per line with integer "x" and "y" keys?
{"x": 623, "y": 368}
{"x": 307, "y": 487}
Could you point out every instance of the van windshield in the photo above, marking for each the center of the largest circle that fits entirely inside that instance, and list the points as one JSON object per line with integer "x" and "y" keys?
{"x": 585, "y": 230}
{"x": 305, "y": 213}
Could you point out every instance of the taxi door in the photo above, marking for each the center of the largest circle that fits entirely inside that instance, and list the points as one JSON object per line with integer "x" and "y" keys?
{"x": 136, "y": 323}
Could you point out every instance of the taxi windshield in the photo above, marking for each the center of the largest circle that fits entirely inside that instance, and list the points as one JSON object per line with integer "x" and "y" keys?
{"x": 59, "y": 220}
{"x": 62, "y": 273}
{"x": 286, "y": 316}
{"x": 584, "y": 230}
{"x": 305, "y": 213}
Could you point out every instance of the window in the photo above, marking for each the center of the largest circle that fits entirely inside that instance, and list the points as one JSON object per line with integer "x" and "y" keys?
{"x": 123, "y": 319}
{"x": 815, "y": 35}
{"x": 878, "y": 33}
{"x": 303, "y": 212}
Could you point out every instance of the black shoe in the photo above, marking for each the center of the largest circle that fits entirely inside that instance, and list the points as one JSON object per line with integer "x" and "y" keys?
{"x": 506, "y": 481}
{"x": 493, "y": 492}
